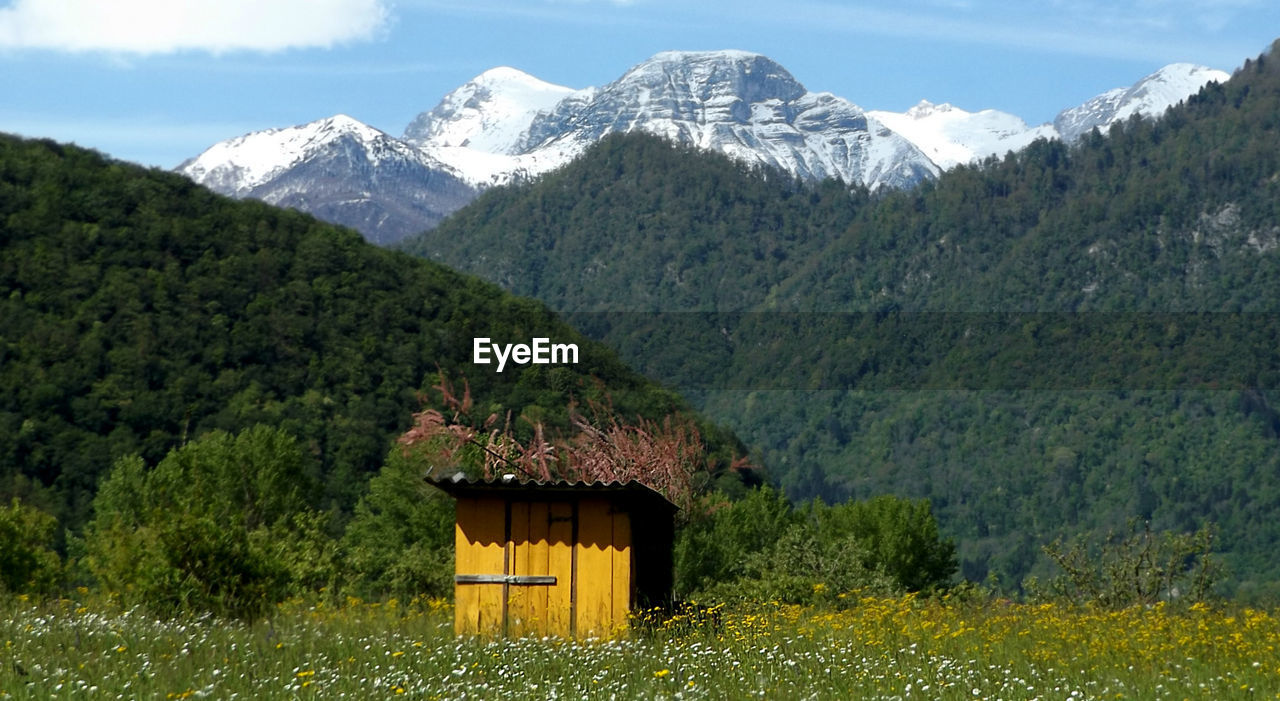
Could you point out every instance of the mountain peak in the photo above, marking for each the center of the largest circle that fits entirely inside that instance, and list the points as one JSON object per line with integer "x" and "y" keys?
{"x": 708, "y": 74}
{"x": 924, "y": 109}
{"x": 236, "y": 166}
{"x": 341, "y": 121}
{"x": 488, "y": 112}
{"x": 741, "y": 104}
{"x": 951, "y": 136}
{"x": 719, "y": 56}
{"x": 506, "y": 74}
{"x": 1150, "y": 97}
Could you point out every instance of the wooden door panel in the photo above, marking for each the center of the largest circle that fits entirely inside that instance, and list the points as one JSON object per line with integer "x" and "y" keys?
{"x": 561, "y": 528}
{"x": 594, "y": 606}
{"x": 480, "y": 539}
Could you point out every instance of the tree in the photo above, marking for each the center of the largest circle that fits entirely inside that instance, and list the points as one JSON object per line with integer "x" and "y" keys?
{"x": 401, "y": 538}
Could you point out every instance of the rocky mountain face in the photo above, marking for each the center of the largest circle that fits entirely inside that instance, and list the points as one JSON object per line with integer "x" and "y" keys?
{"x": 743, "y": 105}
{"x": 507, "y": 125}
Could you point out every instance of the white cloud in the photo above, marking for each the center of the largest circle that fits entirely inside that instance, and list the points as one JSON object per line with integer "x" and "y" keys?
{"x": 164, "y": 26}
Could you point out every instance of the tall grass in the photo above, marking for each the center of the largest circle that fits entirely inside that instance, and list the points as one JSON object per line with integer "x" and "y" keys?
{"x": 876, "y": 648}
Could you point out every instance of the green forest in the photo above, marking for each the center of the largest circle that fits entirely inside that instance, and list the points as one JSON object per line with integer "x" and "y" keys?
{"x": 210, "y": 406}
{"x": 141, "y": 314}
{"x": 1050, "y": 343}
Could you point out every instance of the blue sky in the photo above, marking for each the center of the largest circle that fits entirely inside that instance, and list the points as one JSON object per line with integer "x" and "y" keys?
{"x": 157, "y": 81}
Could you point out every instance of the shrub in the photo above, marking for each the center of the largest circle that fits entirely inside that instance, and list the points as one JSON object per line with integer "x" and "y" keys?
{"x": 762, "y": 548}
{"x": 28, "y": 563}
{"x": 400, "y": 541}
{"x": 1137, "y": 568}
{"x": 219, "y": 525}
{"x": 900, "y": 538}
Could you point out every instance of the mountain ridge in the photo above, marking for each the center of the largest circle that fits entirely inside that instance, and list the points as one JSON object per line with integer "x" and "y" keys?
{"x": 339, "y": 169}
{"x": 506, "y": 125}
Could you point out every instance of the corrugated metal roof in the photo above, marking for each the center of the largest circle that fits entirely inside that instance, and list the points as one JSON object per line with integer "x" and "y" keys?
{"x": 459, "y": 484}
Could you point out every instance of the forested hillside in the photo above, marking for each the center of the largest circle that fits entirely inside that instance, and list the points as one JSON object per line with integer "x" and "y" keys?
{"x": 139, "y": 311}
{"x": 1139, "y": 272}
{"x": 1177, "y": 214}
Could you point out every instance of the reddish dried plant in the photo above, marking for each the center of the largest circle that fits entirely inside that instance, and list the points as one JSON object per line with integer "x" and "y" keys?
{"x": 665, "y": 456}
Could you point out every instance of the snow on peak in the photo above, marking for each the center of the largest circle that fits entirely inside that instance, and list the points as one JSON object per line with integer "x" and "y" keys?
{"x": 706, "y": 75}
{"x": 717, "y": 56}
{"x": 951, "y": 136}
{"x": 488, "y": 113}
{"x": 1169, "y": 86}
{"x": 1148, "y": 97}
{"x": 500, "y": 75}
{"x": 238, "y": 165}
{"x": 738, "y": 103}
{"x": 925, "y": 109}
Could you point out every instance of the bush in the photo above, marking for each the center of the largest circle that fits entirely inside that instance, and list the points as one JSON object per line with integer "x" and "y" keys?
{"x": 1134, "y": 569}
{"x": 801, "y": 568}
{"x": 900, "y": 538}
{"x": 712, "y": 550}
{"x": 28, "y": 563}
{"x": 763, "y": 549}
{"x": 400, "y": 541}
{"x": 219, "y": 525}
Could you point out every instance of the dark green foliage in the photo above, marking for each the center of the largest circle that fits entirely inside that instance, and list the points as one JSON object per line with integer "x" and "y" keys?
{"x": 640, "y": 225}
{"x": 28, "y": 563}
{"x": 760, "y": 547}
{"x": 1009, "y": 471}
{"x": 205, "y": 530}
{"x": 138, "y": 310}
{"x": 901, "y": 538}
{"x": 401, "y": 539}
{"x": 715, "y": 548}
{"x": 1178, "y": 425}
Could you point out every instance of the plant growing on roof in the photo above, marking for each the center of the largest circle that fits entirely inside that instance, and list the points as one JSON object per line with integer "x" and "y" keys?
{"x": 667, "y": 456}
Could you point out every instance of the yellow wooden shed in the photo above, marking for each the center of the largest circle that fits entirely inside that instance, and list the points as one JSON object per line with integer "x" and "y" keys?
{"x": 567, "y": 559}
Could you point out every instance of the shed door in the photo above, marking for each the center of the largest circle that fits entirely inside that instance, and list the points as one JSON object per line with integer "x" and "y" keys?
{"x": 540, "y": 551}
{"x": 542, "y": 567}
{"x": 514, "y": 567}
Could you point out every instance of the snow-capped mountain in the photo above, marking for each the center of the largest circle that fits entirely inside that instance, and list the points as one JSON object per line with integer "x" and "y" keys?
{"x": 1149, "y": 97}
{"x": 951, "y": 136}
{"x": 340, "y": 170}
{"x": 505, "y": 124}
{"x": 489, "y": 113}
{"x": 745, "y": 106}
{"x": 479, "y": 128}
{"x": 738, "y": 103}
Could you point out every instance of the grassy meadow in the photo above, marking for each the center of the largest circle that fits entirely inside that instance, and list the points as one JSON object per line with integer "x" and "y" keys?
{"x": 882, "y": 648}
